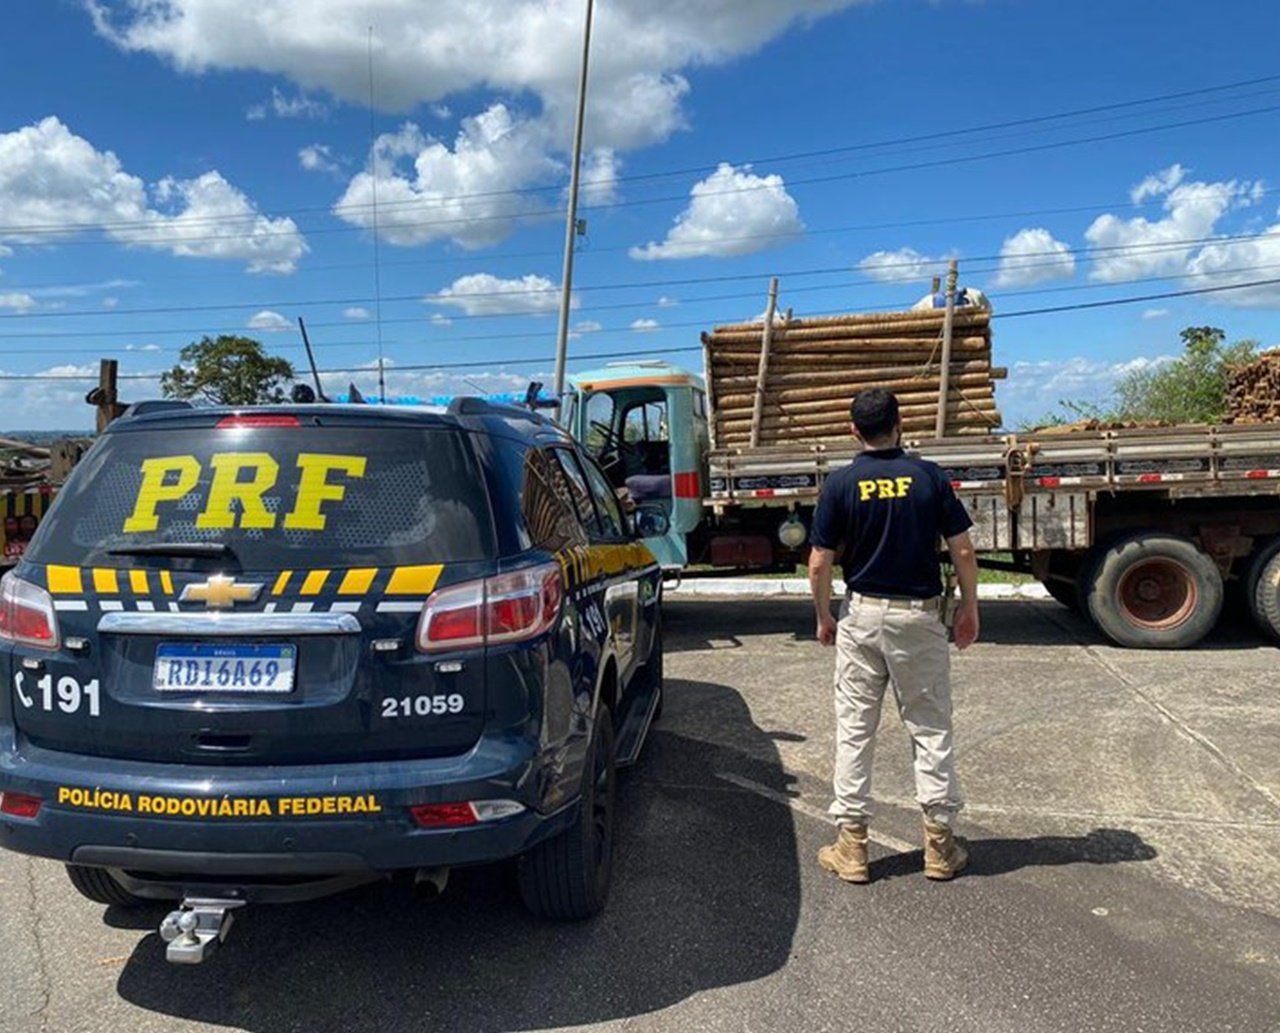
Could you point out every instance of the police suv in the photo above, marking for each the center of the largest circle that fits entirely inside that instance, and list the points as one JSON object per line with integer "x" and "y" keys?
{"x": 268, "y": 654}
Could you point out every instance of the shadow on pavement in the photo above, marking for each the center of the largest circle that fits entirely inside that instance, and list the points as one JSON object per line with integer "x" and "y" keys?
{"x": 1002, "y": 856}
{"x": 706, "y": 894}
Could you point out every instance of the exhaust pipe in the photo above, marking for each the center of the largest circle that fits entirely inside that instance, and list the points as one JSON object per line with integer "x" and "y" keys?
{"x": 429, "y": 883}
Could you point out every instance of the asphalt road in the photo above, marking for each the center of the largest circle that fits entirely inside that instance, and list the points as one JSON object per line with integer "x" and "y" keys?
{"x": 1124, "y": 820}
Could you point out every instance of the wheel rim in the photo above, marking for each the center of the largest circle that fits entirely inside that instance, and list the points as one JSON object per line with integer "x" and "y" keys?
{"x": 1158, "y": 594}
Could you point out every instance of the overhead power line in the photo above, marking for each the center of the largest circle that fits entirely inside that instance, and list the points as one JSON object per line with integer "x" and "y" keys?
{"x": 1142, "y": 248}
{"x": 159, "y": 239}
{"x": 630, "y": 353}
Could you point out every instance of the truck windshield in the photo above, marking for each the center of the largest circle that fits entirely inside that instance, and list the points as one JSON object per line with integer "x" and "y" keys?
{"x": 274, "y": 497}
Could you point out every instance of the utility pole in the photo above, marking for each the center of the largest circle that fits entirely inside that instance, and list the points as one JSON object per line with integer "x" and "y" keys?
{"x": 571, "y": 220}
{"x": 944, "y": 381}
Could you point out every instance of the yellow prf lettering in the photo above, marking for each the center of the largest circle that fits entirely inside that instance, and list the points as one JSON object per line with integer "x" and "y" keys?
{"x": 154, "y": 490}
{"x": 314, "y": 488}
{"x": 227, "y": 487}
{"x": 884, "y": 488}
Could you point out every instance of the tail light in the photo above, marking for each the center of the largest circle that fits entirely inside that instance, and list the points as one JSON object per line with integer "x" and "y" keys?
{"x": 26, "y": 614}
{"x": 506, "y": 608}
{"x": 455, "y": 815}
{"x": 20, "y": 805}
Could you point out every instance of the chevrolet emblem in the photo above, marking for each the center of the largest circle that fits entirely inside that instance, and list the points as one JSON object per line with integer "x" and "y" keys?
{"x": 220, "y": 593}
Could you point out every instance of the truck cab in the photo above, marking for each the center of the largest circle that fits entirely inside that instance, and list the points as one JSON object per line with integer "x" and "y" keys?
{"x": 645, "y": 423}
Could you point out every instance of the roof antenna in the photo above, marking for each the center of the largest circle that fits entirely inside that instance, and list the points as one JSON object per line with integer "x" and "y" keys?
{"x": 377, "y": 254}
{"x": 311, "y": 359}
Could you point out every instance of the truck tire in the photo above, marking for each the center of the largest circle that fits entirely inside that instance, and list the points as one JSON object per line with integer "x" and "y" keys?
{"x": 567, "y": 877}
{"x": 1154, "y": 591}
{"x": 1262, "y": 585}
{"x": 98, "y": 885}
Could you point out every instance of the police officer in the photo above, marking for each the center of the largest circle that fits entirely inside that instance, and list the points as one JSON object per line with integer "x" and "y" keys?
{"x": 884, "y": 515}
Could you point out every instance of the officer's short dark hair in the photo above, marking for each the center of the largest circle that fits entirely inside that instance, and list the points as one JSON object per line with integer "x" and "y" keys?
{"x": 874, "y": 412}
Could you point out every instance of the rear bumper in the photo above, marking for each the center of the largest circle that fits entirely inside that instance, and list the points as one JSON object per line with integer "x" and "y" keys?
{"x": 103, "y": 812}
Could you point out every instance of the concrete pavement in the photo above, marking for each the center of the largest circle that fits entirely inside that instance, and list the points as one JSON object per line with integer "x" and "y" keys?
{"x": 1124, "y": 816}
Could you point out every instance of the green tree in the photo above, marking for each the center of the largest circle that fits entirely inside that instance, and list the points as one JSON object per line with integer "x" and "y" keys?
{"x": 1190, "y": 389}
{"x": 227, "y": 370}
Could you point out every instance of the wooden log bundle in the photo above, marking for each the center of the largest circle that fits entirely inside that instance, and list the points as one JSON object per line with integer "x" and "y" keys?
{"x": 1253, "y": 390}
{"x": 815, "y": 367}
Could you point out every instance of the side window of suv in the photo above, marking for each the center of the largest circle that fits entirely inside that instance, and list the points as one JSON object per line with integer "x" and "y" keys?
{"x": 579, "y": 493}
{"x": 606, "y": 502}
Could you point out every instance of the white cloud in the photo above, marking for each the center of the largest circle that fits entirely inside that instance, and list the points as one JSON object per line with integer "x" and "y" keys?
{"x": 587, "y": 326}
{"x": 904, "y": 264}
{"x": 1033, "y": 256}
{"x": 355, "y": 312}
{"x": 1241, "y": 261}
{"x": 1035, "y": 389}
{"x": 318, "y": 157}
{"x": 110, "y": 302}
{"x": 646, "y": 326}
{"x": 1139, "y": 247}
{"x": 440, "y": 319}
{"x": 59, "y": 404}
{"x": 142, "y": 348}
{"x": 1158, "y": 184}
{"x": 299, "y": 106}
{"x": 598, "y": 183}
{"x": 271, "y": 322}
{"x": 425, "y": 53}
{"x": 665, "y": 302}
{"x": 482, "y": 294}
{"x": 469, "y": 194}
{"x": 53, "y": 179}
{"x": 17, "y": 301}
{"x": 732, "y": 212}
{"x": 1155, "y": 313}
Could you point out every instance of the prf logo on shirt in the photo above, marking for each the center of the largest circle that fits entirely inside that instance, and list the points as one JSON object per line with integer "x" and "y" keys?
{"x": 885, "y": 488}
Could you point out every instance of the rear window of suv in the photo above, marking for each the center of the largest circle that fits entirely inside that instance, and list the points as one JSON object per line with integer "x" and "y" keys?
{"x": 276, "y": 497}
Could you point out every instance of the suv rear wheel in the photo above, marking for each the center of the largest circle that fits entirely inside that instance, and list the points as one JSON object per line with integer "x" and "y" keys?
{"x": 98, "y": 885}
{"x": 568, "y": 877}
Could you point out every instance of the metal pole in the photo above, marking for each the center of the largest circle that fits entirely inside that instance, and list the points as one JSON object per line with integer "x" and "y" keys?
{"x": 762, "y": 371}
{"x": 571, "y": 220}
{"x": 944, "y": 382}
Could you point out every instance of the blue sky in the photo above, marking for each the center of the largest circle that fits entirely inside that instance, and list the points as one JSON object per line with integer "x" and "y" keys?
{"x": 170, "y": 169}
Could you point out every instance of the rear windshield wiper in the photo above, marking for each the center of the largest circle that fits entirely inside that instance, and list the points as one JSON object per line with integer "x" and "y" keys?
{"x": 196, "y": 549}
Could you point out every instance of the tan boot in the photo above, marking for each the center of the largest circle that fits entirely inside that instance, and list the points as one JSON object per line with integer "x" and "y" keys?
{"x": 943, "y": 854}
{"x": 847, "y": 856}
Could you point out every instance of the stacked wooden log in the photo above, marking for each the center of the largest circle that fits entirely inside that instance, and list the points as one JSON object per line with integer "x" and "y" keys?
{"x": 814, "y": 367}
{"x": 1253, "y": 390}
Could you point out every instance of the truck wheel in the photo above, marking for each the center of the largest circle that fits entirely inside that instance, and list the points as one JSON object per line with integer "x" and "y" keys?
{"x": 567, "y": 877}
{"x": 1154, "y": 591}
{"x": 1262, "y": 584}
{"x": 98, "y": 885}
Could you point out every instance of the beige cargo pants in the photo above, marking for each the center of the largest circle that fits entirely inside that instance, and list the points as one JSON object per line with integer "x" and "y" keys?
{"x": 877, "y": 646}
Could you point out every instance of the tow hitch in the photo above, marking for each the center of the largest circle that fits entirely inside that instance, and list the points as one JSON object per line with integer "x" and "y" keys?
{"x": 197, "y": 928}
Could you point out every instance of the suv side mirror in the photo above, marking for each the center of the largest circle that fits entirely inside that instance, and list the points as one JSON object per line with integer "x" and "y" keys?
{"x": 650, "y": 523}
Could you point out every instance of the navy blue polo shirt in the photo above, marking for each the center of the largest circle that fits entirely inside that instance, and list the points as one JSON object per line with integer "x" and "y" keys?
{"x": 883, "y": 516}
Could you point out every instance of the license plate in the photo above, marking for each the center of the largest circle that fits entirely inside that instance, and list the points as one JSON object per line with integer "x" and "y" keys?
{"x": 216, "y": 667}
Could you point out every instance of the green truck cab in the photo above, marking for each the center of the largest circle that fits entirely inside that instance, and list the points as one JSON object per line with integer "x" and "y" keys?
{"x": 646, "y": 424}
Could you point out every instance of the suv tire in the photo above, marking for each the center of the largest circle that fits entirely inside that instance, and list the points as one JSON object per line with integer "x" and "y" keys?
{"x": 567, "y": 877}
{"x": 100, "y": 886}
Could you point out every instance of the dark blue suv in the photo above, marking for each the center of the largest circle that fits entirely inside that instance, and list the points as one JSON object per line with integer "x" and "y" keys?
{"x": 270, "y": 653}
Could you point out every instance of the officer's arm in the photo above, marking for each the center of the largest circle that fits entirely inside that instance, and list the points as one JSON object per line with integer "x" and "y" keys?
{"x": 821, "y": 563}
{"x": 965, "y": 561}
